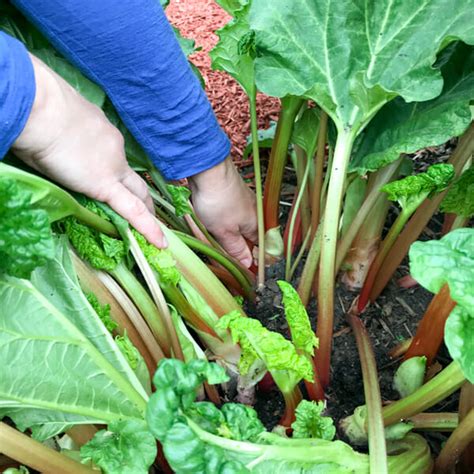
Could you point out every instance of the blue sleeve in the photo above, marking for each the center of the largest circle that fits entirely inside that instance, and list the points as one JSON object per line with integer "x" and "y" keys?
{"x": 130, "y": 50}
{"x": 17, "y": 90}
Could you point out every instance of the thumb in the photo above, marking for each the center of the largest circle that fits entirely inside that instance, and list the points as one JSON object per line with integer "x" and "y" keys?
{"x": 237, "y": 247}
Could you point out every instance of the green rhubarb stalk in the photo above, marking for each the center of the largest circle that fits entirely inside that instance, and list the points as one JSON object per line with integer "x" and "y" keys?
{"x": 327, "y": 266}
{"x": 289, "y": 109}
{"x": 373, "y": 399}
{"x": 32, "y": 453}
{"x": 438, "y": 388}
{"x": 258, "y": 190}
{"x": 300, "y": 162}
{"x": 459, "y": 440}
{"x": 311, "y": 264}
{"x": 316, "y": 195}
{"x": 434, "y": 421}
{"x": 301, "y": 252}
{"x": 157, "y": 295}
{"x": 144, "y": 303}
{"x": 299, "y": 199}
{"x": 231, "y": 266}
{"x": 385, "y": 247}
{"x": 376, "y": 181}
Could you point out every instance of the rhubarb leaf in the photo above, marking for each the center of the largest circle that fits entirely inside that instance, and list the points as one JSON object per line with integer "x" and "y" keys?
{"x": 402, "y": 127}
{"x": 126, "y": 446}
{"x": 103, "y": 311}
{"x": 305, "y": 131}
{"x": 448, "y": 260}
{"x": 354, "y": 56}
{"x": 59, "y": 364}
{"x": 460, "y": 197}
{"x": 258, "y": 343}
{"x": 180, "y": 196}
{"x": 26, "y": 241}
{"x": 311, "y": 424}
{"x": 412, "y": 190}
{"x": 459, "y": 339}
{"x": 199, "y": 438}
{"x": 302, "y": 335}
{"x": 234, "y": 51}
{"x": 451, "y": 260}
{"x": 265, "y": 139}
{"x": 160, "y": 260}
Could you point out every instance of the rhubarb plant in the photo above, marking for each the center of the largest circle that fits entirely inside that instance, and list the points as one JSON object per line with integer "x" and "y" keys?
{"x": 199, "y": 437}
{"x": 342, "y": 55}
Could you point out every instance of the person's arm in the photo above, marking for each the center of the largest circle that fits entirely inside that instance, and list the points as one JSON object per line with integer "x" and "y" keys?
{"x": 130, "y": 50}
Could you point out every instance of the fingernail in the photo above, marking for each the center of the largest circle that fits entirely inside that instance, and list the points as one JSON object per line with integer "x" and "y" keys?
{"x": 246, "y": 262}
{"x": 164, "y": 242}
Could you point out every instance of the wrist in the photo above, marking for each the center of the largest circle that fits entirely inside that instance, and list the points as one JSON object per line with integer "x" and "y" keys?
{"x": 215, "y": 178}
{"x": 42, "y": 126}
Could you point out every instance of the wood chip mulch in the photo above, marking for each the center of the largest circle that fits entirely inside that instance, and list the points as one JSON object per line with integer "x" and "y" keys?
{"x": 199, "y": 19}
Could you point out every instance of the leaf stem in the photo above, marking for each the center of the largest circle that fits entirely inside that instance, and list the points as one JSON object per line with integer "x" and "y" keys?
{"x": 289, "y": 109}
{"x": 33, "y": 454}
{"x": 319, "y": 170}
{"x": 434, "y": 421}
{"x": 373, "y": 399}
{"x": 96, "y": 222}
{"x": 326, "y": 282}
{"x": 430, "y": 332}
{"x": 459, "y": 440}
{"x": 258, "y": 190}
{"x": 232, "y": 267}
{"x": 438, "y": 388}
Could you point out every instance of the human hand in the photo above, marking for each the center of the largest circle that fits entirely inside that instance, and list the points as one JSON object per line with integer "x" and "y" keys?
{"x": 71, "y": 141}
{"x": 226, "y": 206}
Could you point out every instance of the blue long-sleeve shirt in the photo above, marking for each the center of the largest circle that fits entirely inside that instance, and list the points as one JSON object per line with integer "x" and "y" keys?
{"x": 130, "y": 50}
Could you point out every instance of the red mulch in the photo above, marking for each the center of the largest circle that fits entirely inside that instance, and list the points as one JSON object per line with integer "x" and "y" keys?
{"x": 198, "y": 19}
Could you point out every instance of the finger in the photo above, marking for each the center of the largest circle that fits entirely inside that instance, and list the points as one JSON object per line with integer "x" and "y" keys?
{"x": 237, "y": 247}
{"x": 251, "y": 234}
{"x": 134, "y": 183}
{"x": 134, "y": 210}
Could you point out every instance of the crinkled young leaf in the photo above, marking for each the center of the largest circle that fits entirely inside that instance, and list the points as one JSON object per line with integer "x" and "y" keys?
{"x": 460, "y": 197}
{"x": 310, "y": 423}
{"x": 125, "y": 447}
{"x": 412, "y": 190}
{"x": 101, "y": 251}
{"x": 180, "y": 195}
{"x": 448, "y": 260}
{"x": 233, "y": 7}
{"x": 401, "y": 127}
{"x": 302, "y": 335}
{"x": 26, "y": 240}
{"x": 160, "y": 260}
{"x": 279, "y": 355}
{"x": 354, "y": 56}
{"x": 242, "y": 422}
{"x": 103, "y": 311}
{"x": 410, "y": 376}
{"x": 459, "y": 339}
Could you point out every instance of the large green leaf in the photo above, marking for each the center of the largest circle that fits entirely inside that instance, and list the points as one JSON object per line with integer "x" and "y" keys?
{"x": 451, "y": 261}
{"x": 352, "y": 56}
{"x": 232, "y": 52}
{"x": 59, "y": 364}
{"x": 402, "y": 127}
